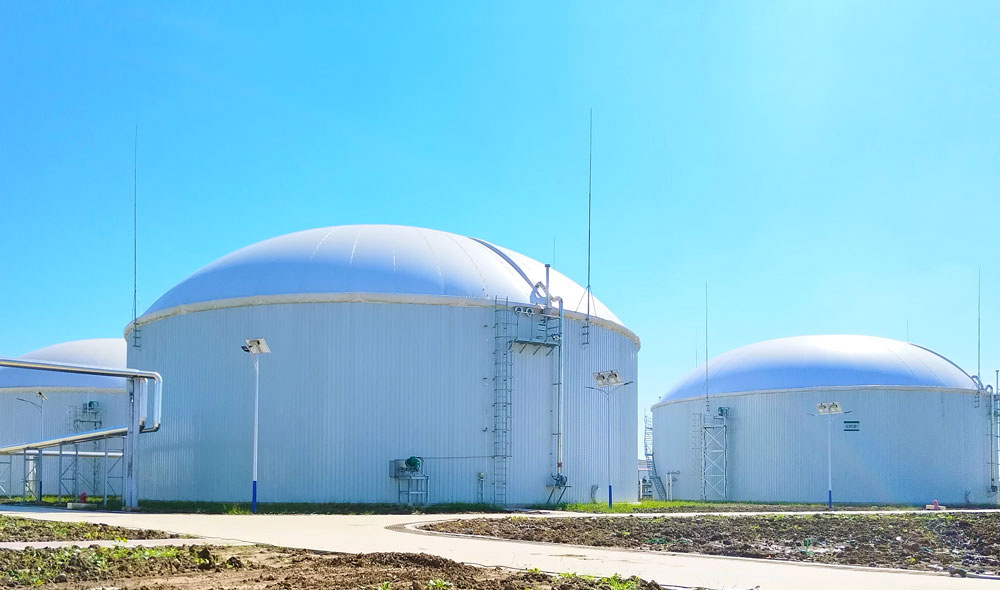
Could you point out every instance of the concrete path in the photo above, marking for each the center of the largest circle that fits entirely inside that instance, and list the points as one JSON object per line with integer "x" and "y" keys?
{"x": 363, "y": 534}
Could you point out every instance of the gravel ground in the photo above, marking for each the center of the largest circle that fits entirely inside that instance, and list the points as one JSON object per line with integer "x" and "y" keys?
{"x": 953, "y": 542}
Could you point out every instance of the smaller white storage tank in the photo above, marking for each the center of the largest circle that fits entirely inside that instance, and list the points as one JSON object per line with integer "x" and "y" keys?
{"x": 41, "y": 405}
{"x": 916, "y": 427}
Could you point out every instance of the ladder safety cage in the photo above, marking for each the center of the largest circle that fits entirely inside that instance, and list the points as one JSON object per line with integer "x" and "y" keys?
{"x": 504, "y": 333}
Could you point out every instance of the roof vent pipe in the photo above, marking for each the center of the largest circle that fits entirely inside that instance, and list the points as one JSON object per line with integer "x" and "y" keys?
{"x": 548, "y": 292}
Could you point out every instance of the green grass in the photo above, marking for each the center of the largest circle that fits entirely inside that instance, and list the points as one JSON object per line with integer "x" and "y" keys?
{"x": 696, "y": 506}
{"x": 308, "y": 508}
{"x": 196, "y": 507}
{"x": 114, "y": 502}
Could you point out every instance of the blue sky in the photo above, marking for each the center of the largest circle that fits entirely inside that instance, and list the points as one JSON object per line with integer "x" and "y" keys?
{"x": 827, "y": 167}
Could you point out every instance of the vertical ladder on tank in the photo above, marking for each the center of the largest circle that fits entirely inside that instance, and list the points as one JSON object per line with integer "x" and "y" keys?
{"x": 714, "y": 460}
{"x": 504, "y": 331}
{"x": 659, "y": 492}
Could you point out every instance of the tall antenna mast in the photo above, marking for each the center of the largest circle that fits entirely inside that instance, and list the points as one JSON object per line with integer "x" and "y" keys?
{"x": 135, "y": 239}
{"x": 590, "y": 186}
{"x": 979, "y": 327}
{"x": 707, "y": 404}
{"x": 696, "y": 348}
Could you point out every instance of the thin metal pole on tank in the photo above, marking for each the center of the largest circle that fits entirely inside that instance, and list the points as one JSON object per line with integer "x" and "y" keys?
{"x": 829, "y": 461}
{"x": 255, "y": 347}
{"x": 104, "y": 489}
{"x": 610, "y": 430}
{"x": 590, "y": 193}
{"x": 256, "y": 398}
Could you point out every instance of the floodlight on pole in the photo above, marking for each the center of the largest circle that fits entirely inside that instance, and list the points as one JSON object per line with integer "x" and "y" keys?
{"x": 41, "y": 413}
{"x": 607, "y": 378}
{"x": 608, "y": 382}
{"x": 829, "y": 409}
{"x": 255, "y": 347}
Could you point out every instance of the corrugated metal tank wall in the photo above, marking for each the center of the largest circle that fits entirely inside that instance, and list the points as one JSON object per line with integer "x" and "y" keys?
{"x": 913, "y": 446}
{"x": 350, "y": 386}
{"x": 19, "y": 423}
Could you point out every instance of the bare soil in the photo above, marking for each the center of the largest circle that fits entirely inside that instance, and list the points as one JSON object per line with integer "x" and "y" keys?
{"x": 268, "y": 568}
{"x": 957, "y": 543}
{"x": 24, "y": 529}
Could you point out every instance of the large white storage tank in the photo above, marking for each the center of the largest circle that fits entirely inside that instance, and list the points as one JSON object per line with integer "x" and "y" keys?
{"x": 919, "y": 427}
{"x": 41, "y": 405}
{"x": 386, "y": 342}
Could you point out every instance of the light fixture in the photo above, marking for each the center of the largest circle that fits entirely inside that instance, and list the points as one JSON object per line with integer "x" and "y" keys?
{"x": 256, "y": 346}
{"x": 607, "y": 378}
{"x": 829, "y": 408}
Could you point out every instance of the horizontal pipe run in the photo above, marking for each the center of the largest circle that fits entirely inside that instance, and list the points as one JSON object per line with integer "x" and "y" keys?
{"x": 83, "y": 454}
{"x": 79, "y": 437}
{"x": 133, "y": 374}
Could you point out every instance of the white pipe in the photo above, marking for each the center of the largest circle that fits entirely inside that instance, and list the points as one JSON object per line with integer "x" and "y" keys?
{"x": 560, "y": 390}
{"x": 130, "y": 494}
{"x": 103, "y": 372}
{"x": 548, "y": 292}
{"x": 560, "y": 398}
{"x": 84, "y": 454}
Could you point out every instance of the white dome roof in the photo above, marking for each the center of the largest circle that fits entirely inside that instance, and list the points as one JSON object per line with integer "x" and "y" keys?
{"x": 376, "y": 259}
{"x": 804, "y": 362}
{"x": 98, "y": 352}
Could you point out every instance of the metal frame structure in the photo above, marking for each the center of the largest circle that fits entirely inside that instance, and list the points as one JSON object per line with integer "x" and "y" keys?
{"x": 68, "y": 472}
{"x": 714, "y": 456}
{"x": 31, "y": 474}
{"x": 5, "y": 475}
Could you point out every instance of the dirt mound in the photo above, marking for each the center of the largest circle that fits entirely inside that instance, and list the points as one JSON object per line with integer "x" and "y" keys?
{"x": 952, "y": 542}
{"x": 266, "y": 568}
